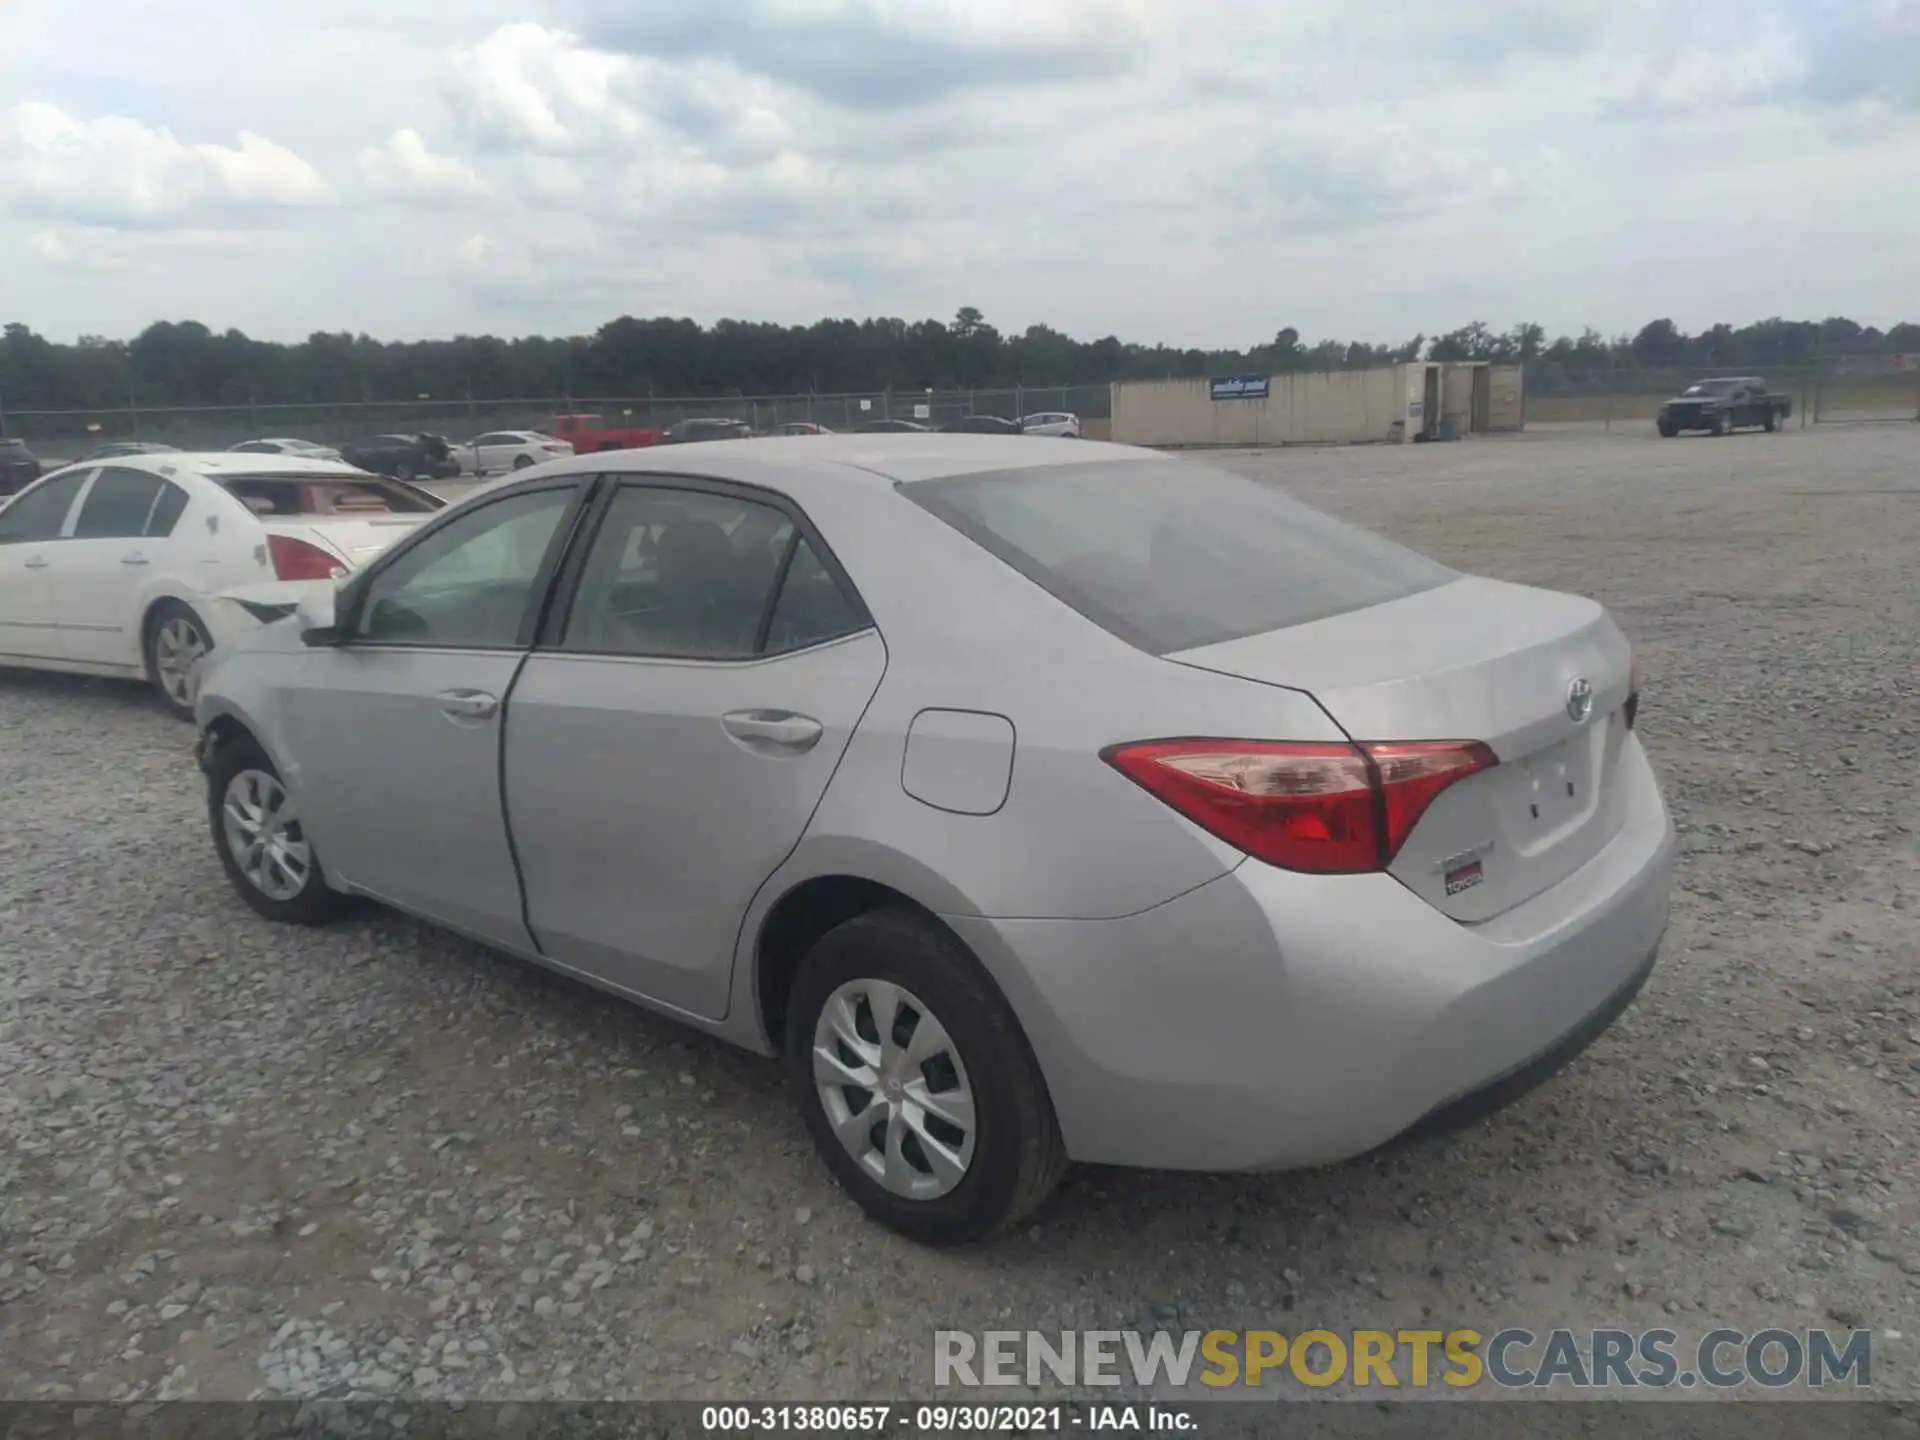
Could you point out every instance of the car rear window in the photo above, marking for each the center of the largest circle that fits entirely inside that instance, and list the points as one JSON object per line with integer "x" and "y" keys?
{"x": 1168, "y": 555}
{"x": 292, "y": 495}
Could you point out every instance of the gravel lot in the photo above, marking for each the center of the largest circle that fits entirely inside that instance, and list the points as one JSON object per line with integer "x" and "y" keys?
{"x": 241, "y": 1160}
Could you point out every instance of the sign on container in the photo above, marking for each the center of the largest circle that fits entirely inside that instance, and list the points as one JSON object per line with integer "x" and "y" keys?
{"x": 1239, "y": 387}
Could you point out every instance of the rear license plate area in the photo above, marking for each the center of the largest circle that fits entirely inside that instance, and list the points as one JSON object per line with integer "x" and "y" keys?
{"x": 1553, "y": 785}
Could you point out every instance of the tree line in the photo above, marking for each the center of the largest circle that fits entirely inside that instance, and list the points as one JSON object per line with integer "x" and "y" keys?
{"x": 184, "y": 363}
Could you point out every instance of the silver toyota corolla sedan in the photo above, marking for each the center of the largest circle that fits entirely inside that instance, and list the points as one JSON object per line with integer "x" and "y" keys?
{"x": 1036, "y": 800}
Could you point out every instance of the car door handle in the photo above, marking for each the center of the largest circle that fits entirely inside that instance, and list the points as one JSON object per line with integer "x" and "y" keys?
{"x": 136, "y": 558}
{"x": 35, "y": 562}
{"x": 468, "y": 704}
{"x": 776, "y": 729}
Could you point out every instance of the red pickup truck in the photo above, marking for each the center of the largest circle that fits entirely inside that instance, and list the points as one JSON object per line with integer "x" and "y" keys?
{"x": 587, "y": 434}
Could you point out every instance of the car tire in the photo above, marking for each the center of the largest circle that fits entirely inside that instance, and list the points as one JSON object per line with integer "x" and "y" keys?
{"x": 1771, "y": 423}
{"x": 522, "y": 462}
{"x": 1721, "y": 426}
{"x": 173, "y": 641}
{"x": 283, "y": 882}
{"x": 1667, "y": 432}
{"x": 404, "y": 471}
{"x": 1008, "y": 1155}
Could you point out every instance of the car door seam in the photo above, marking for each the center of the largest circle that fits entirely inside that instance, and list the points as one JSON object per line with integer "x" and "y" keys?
{"x": 555, "y": 577}
{"x": 853, "y": 731}
{"x": 506, "y": 808}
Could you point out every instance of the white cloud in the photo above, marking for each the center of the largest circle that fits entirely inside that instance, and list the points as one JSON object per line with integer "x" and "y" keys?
{"x": 527, "y": 87}
{"x": 501, "y": 268}
{"x": 404, "y": 169}
{"x": 114, "y": 171}
{"x": 877, "y": 54}
{"x": 88, "y": 252}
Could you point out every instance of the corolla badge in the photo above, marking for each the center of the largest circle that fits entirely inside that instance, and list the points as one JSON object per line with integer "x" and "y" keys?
{"x": 1580, "y": 700}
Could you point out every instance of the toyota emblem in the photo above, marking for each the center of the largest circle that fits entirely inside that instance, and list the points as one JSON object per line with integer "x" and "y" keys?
{"x": 1580, "y": 700}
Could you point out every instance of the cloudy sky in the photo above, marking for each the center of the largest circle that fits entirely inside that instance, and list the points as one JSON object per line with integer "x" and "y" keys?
{"x": 1161, "y": 169}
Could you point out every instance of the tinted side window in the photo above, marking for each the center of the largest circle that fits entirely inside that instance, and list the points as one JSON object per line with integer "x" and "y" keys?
{"x": 39, "y": 513}
{"x": 168, "y": 507}
{"x": 812, "y": 607}
{"x": 679, "y": 573}
{"x": 118, "y": 505}
{"x": 471, "y": 583}
{"x": 1168, "y": 554}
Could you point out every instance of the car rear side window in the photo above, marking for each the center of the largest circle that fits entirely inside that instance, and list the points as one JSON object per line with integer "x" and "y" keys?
{"x": 168, "y": 506}
{"x": 691, "y": 574}
{"x": 273, "y": 496}
{"x": 118, "y": 505}
{"x": 1168, "y": 555}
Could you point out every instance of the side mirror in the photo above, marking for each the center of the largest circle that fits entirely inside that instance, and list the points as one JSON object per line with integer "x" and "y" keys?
{"x": 319, "y": 619}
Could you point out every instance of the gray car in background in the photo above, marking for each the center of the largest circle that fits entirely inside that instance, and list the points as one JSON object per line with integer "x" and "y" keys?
{"x": 1036, "y": 800}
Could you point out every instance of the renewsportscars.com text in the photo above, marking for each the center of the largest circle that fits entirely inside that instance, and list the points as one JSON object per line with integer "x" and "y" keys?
{"x": 1459, "y": 1359}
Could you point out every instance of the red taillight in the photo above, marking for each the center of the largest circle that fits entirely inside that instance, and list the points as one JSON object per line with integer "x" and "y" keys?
{"x": 1319, "y": 808}
{"x": 297, "y": 560}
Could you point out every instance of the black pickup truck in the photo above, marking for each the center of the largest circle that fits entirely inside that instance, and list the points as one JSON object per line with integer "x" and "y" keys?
{"x": 1723, "y": 406}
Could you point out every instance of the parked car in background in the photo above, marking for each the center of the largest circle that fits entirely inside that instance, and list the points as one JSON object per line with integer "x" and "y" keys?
{"x": 115, "y": 569}
{"x": 424, "y": 456}
{"x": 499, "y": 451}
{"x": 1051, "y": 422}
{"x": 983, "y": 425}
{"x": 891, "y": 427}
{"x": 686, "y": 432}
{"x": 801, "y": 427}
{"x": 117, "y": 449}
{"x": 306, "y": 449}
{"x": 589, "y": 434}
{"x": 943, "y": 855}
{"x": 1722, "y": 406}
{"x": 18, "y": 466}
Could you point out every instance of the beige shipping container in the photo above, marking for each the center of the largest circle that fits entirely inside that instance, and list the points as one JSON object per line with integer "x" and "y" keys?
{"x": 1391, "y": 404}
{"x": 1342, "y": 407}
{"x": 1507, "y": 403}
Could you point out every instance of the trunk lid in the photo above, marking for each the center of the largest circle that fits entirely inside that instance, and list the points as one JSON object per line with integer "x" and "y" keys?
{"x": 356, "y": 539}
{"x": 1475, "y": 659}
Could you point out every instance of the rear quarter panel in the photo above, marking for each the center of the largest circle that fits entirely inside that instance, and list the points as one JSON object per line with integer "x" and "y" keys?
{"x": 1074, "y": 838}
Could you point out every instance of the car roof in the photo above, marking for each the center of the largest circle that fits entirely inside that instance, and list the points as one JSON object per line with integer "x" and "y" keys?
{"x": 876, "y": 459}
{"x": 218, "y": 463}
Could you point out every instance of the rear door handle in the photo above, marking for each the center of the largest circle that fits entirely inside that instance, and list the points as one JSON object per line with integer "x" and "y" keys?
{"x": 468, "y": 704}
{"x": 35, "y": 562}
{"x": 773, "y": 729}
{"x": 136, "y": 558}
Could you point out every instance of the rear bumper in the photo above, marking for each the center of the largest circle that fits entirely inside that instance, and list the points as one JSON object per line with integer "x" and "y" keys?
{"x": 1269, "y": 1020}
{"x": 1504, "y": 1090}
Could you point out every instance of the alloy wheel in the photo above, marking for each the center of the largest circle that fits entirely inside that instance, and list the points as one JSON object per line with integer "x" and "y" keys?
{"x": 178, "y": 649}
{"x": 264, "y": 835}
{"x": 894, "y": 1088}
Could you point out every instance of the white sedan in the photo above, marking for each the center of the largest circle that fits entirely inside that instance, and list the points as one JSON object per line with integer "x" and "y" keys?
{"x": 117, "y": 569}
{"x": 305, "y": 449}
{"x": 499, "y": 451}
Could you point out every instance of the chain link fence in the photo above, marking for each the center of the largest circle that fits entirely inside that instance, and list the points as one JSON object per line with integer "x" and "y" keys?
{"x": 67, "y": 434}
{"x": 1833, "y": 390}
{"x": 1848, "y": 390}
